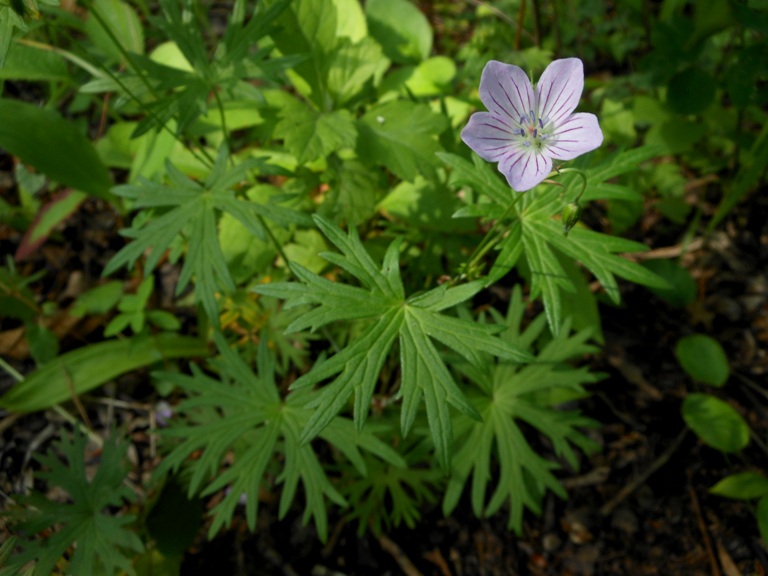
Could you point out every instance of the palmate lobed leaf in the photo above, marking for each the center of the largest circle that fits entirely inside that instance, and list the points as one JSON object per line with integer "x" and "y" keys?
{"x": 623, "y": 162}
{"x": 103, "y": 543}
{"x": 535, "y": 237}
{"x": 310, "y": 134}
{"x": 512, "y": 395}
{"x": 177, "y": 95}
{"x": 192, "y": 211}
{"x": 358, "y": 367}
{"x": 401, "y": 136}
{"x": 302, "y": 464}
{"x": 391, "y": 495}
{"x": 337, "y": 301}
{"x": 243, "y": 419}
{"x": 479, "y": 176}
{"x": 352, "y": 66}
{"x": 416, "y": 322}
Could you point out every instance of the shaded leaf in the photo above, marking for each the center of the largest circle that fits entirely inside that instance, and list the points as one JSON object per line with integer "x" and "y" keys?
{"x": 54, "y": 146}
{"x": 102, "y": 543}
{"x": 703, "y": 359}
{"x": 86, "y": 368}
{"x": 124, "y": 27}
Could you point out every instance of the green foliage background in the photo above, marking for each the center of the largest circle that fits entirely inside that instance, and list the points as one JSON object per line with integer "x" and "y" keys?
{"x": 299, "y": 164}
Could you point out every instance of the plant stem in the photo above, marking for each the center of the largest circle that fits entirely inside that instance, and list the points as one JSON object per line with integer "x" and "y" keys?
{"x": 580, "y": 174}
{"x": 276, "y": 242}
{"x": 15, "y": 374}
{"x": 488, "y": 242}
{"x": 220, "y": 106}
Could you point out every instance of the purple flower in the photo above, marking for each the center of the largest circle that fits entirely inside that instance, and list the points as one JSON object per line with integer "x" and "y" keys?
{"x": 525, "y": 129}
{"x": 163, "y": 413}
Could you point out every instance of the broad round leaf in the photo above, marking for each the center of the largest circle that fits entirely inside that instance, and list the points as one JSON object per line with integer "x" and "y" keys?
{"x": 432, "y": 76}
{"x": 402, "y": 30}
{"x": 742, "y": 486}
{"x": 716, "y": 423}
{"x": 350, "y": 20}
{"x": 703, "y": 359}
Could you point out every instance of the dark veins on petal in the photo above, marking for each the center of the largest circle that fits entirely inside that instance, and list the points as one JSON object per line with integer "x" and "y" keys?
{"x": 502, "y": 108}
{"x": 512, "y": 104}
{"x": 555, "y": 115}
{"x": 561, "y": 132}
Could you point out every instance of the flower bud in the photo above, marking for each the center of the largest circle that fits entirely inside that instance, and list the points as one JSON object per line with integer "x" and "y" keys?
{"x": 571, "y": 215}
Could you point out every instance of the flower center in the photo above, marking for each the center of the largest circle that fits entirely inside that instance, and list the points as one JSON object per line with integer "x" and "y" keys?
{"x": 533, "y": 131}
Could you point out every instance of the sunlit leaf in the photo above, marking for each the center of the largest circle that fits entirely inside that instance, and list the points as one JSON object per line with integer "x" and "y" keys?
{"x": 401, "y": 28}
{"x": 416, "y": 322}
{"x": 401, "y": 136}
{"x": 715, "y": 422}
{"x": 742, "y": 486}
{"x": 310, "y": 134}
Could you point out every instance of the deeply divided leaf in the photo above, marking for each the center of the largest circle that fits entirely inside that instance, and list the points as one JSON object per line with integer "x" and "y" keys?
{"x": 418, "y": 323}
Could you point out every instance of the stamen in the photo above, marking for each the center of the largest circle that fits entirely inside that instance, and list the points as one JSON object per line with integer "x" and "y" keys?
{"x": 533, "y": 116}
{"x": 527, "y": 144}
{"x": 541, "y": 124}
{"x": 523, "y": 119}
{"x": 535, "y": 132}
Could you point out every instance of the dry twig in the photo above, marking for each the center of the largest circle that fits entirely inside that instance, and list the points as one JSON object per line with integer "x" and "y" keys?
{"x": 703, "y": 527}
{"x": 609, "y": 506}
{"x": 402, "y": 560}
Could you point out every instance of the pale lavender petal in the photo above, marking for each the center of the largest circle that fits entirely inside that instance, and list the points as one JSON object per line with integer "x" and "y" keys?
{"x": 506, "y": 91}
{"x": 579, "y": 134}
{"x": 524, "y": 168}
{"x": 488, "y": 135}
{"x": 559, "y": 89}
